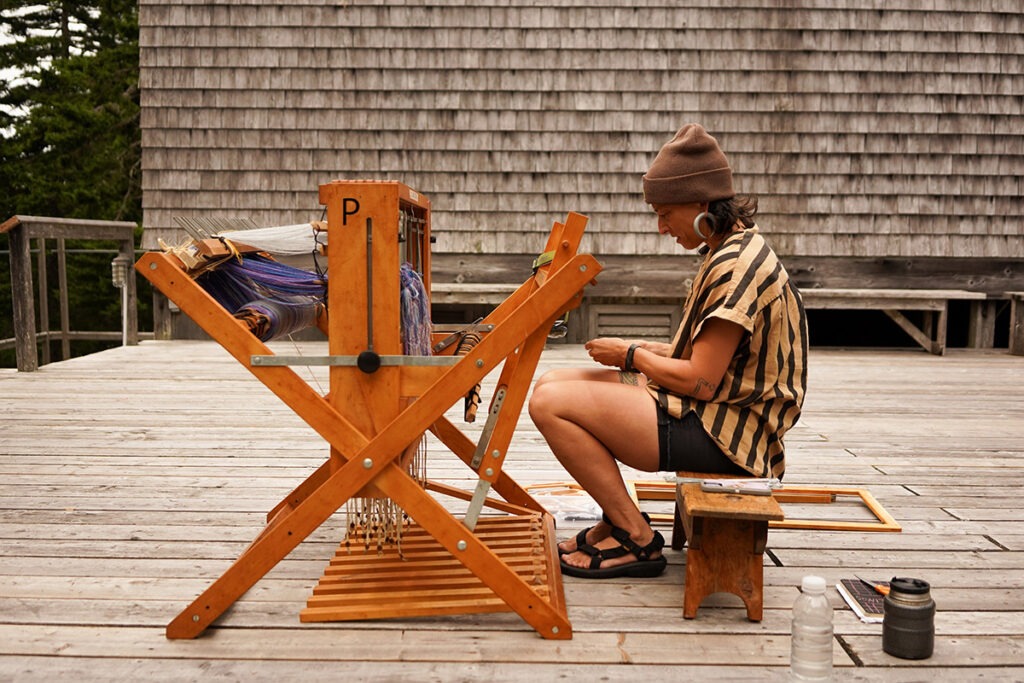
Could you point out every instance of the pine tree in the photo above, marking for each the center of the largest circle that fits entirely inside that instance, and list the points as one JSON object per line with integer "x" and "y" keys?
{"x": 71, "y": 145}
{"x": 70, "y": 141}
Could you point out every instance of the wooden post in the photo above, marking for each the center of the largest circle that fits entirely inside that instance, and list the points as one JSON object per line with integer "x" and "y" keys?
{"x": 65, "y": 314}
{"x": 23, "y": 301}
{"x": 43, "y": 329}
{"x": 161, "y": 316}
{"x": 981, "y": 332}
{"x": 130, "y": 298}
{"x": 1016, "y": 323}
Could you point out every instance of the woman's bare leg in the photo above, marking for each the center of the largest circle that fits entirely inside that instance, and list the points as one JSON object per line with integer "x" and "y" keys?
{"x": 600, "y": 530}
{"x": 592, "y": 421}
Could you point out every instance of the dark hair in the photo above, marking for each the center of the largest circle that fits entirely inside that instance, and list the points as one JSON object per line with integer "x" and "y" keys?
{"x": 723, "y": 214}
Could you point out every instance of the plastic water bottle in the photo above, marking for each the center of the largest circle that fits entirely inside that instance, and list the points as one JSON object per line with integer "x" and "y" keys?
{"x": 811, "y": 653}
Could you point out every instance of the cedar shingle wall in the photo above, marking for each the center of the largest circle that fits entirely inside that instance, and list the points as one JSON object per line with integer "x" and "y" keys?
{"x": 865, "y": 128}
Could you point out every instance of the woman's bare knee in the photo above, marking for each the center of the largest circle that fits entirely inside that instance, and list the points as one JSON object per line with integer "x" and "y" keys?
{"x": 546, "y": 378}
{"x": 544, "y": 399}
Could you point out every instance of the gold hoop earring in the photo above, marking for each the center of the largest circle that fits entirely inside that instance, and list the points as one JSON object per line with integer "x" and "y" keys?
{"x": 696, "y": 225}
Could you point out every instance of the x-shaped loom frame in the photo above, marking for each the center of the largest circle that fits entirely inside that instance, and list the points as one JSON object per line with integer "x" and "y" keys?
{"x": 365, "y": 453}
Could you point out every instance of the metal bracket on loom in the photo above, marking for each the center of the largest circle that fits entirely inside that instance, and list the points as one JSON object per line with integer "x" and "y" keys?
{"x": 459, "y": 333}
{"x": 482, "y": 485}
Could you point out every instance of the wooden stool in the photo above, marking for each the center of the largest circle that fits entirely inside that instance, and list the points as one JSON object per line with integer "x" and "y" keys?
{"x": 678, "y": 532}
{"x": 726, "y": 534}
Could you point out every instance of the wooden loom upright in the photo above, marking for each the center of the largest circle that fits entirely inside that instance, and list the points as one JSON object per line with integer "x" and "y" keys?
{"x": 372, "y": 415}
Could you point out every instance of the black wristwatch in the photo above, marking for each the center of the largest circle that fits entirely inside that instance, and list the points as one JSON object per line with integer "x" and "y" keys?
{"x": 628, "y": 365}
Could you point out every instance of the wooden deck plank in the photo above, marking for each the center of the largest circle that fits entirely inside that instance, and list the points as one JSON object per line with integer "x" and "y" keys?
{"x": 162, "y": 669}
{"x": 131, "y": 478}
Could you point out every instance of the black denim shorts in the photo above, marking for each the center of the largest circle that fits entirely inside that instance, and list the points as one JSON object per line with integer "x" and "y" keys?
{"x": 684, "y": 445}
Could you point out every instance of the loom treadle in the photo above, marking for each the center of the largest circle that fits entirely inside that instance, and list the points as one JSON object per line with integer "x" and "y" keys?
{"x": 427, "y": 580}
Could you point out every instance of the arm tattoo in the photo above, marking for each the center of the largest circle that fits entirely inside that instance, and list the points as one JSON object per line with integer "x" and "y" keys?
{"x": 702, "y": 386}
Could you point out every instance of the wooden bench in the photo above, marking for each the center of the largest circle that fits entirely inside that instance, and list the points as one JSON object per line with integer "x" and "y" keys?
{"x": 930, "y": 334}
{"x": 934, "y": 303}
{"x": 470, "y": 292}
{"x": 726, "y": 535}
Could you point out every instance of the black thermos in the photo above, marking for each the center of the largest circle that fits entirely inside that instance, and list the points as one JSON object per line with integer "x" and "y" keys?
{"x": 908, "y": 626}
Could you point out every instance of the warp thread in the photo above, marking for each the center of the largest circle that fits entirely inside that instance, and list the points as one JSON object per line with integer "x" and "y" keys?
{"x": 379, "y": 522}
{"x": 234, "y": 282}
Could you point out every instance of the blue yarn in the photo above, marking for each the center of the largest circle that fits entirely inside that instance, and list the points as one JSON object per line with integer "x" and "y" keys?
{"x": 275, "y": 299}
{"x": 416, "y": 326}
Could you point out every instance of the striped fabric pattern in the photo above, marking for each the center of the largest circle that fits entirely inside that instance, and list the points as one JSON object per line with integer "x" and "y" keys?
{"x": 762, "y": 391}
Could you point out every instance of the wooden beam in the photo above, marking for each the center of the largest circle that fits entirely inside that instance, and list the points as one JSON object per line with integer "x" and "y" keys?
{"x": 70, "y": 228}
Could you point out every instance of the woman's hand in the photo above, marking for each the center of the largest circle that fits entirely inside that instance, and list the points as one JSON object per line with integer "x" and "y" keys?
{"x": 610, "y": 351}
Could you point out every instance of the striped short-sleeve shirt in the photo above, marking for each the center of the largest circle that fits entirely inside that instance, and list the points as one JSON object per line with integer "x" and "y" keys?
{"x": 760, "y": 396}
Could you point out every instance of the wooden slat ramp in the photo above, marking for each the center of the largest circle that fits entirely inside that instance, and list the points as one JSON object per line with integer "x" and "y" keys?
{"x": 131, "y": 478}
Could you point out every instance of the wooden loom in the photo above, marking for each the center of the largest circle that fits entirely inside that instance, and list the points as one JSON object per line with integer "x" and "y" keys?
{"x": 373, "y": 415}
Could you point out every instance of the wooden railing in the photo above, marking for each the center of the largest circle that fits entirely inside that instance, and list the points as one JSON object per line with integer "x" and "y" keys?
{"x": 21, "y": 231}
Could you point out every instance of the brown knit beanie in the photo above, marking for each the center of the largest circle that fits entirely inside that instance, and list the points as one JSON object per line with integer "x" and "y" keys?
{"x": 689, "y": 168}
